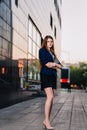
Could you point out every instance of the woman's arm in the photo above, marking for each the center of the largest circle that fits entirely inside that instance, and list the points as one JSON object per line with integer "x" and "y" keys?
{"x": 53, "y": 65}
{"x": 45, "y": 61}
{"x": 50, "y": 64}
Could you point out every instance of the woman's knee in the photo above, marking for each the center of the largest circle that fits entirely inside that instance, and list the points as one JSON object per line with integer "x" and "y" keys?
{"x": 50, "y": 97}
{"x": 49, "y": 93}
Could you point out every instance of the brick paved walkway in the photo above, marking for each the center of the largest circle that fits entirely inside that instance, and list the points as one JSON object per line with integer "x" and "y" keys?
{"x": 69, "y": 113}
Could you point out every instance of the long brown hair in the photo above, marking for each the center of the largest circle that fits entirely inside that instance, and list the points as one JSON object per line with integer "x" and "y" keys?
{"x": 44, "y": 44}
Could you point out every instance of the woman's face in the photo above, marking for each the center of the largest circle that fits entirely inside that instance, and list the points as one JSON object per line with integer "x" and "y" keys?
{"x": 49, "y": 43}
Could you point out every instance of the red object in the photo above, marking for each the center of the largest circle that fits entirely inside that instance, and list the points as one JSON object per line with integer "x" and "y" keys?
{"x": 64, "y": 80}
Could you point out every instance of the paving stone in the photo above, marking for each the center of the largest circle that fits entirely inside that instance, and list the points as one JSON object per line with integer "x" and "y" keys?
{"x": 69, "y": 113}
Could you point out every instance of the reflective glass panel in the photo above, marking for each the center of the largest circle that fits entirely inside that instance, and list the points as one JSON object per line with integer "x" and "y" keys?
{"x": 38, "y": 39}
{"x": 37, "y": 52}
{"x": 34, "y": 49}
{"x": 30, "y": 46}
{"x": 34, "y": 33}
{"x": 0, "y": 10}
{"x": 1, "y": 26}
{"x": 30, "y": 28}
{"x": 1, "y": 42}
{"x": 8, "y": 16}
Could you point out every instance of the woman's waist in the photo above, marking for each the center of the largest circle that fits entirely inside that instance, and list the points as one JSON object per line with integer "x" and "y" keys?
{"x": 48, "y": 71}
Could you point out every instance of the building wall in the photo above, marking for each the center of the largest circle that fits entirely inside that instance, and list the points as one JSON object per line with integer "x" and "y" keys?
{"x": 5, "y": 30}
{"x": 5, "y": 37}
{"x": 23, "y": 25}
{"x": 40, "y": 12}
{"x": 8, "y": 67}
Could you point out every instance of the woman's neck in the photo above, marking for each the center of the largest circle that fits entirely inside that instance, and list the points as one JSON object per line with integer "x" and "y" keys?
{"x": 48, "y": 49}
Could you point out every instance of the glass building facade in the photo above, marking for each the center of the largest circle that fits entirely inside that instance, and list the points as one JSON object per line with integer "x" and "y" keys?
{"x": 34, "y": 43}
{"x": 6, "y": 63}
{"x": 5, "y": 30}
{"x": 23, "y": 25}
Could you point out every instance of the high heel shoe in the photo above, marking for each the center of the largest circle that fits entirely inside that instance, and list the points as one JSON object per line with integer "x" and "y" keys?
{"x": 47, "y": 128}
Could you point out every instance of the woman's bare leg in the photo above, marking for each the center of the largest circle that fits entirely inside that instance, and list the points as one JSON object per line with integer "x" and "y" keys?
{"x": 51, "y": 104}
{"x": 48, "y": 105}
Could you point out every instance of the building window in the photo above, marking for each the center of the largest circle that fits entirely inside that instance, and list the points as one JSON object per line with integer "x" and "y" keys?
{"x": 55, "y": 2}
{"x": 57, "y": 10}
{"x": 16, "y": 3}
{"x": 51, "y": 21}
{"x": 34, "y": 38}
{"x": 55, "y": 32}
{"x": 34, "y": 43}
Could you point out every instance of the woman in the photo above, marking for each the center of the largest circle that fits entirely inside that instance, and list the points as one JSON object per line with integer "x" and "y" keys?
{"x": 48, "y": 76}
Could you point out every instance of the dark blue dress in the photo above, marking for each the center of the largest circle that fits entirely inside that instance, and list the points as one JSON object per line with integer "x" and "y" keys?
{"x": 48, "y": 76}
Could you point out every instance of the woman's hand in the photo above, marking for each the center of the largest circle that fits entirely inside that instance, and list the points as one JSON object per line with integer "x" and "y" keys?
{"x": 59, "y": 66}
{"x": 53, "y": 65}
